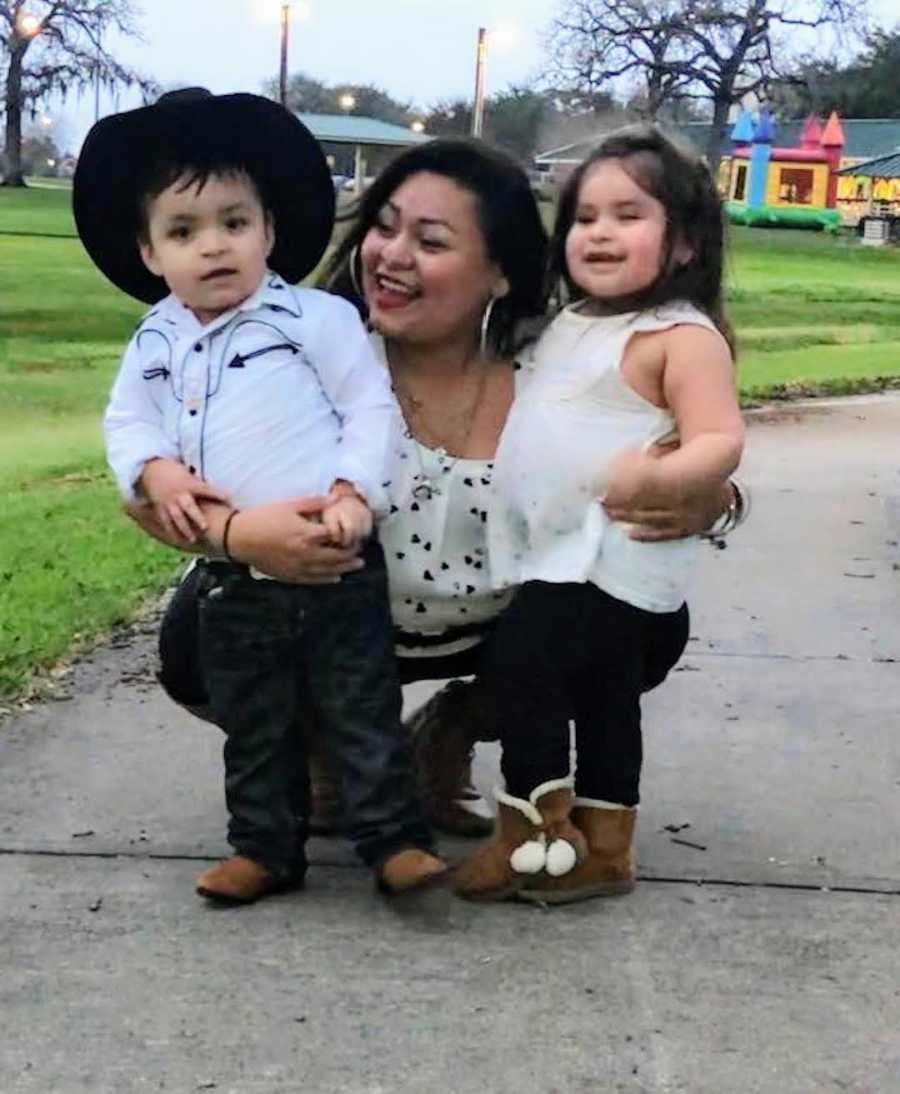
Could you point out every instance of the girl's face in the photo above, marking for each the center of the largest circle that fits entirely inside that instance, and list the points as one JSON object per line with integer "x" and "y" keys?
{"x": 427, "y": 276}
{"x": 616, "y": 243}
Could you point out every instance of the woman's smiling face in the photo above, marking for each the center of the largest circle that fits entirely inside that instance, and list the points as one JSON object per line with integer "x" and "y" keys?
{"x": 427, "y": 276}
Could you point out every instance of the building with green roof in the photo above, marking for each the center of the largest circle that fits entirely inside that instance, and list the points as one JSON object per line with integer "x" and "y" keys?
{"x": 357, "y": 146}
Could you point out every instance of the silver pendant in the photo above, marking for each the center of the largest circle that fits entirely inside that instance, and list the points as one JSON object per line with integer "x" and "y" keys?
{"x": 425, "y": 490}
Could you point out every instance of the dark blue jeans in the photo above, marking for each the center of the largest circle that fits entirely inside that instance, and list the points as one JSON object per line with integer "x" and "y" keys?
{"x": 274, "y": 655}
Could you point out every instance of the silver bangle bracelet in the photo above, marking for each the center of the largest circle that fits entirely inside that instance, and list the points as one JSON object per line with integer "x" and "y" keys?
{"x": 734, "y": 516}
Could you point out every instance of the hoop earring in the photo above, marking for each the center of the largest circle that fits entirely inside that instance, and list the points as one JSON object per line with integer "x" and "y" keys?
{"x": 485, "y": 326}
{"x": 352, "y": 260}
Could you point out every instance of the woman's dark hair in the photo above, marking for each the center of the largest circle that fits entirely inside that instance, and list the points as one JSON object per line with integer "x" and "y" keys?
{"x": 694, "y": 217}
{"x": 514, "y": 234}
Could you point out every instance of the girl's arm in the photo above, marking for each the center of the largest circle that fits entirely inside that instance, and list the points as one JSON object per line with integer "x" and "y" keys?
{"x": 696, "y": 377}
{"x": 699, "y": 388}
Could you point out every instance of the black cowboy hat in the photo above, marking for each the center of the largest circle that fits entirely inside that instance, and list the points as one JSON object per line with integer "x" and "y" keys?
{"x": 198, "y": 129}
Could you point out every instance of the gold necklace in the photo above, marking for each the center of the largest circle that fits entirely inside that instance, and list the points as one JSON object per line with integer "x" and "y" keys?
{"x": 412, "y": 409}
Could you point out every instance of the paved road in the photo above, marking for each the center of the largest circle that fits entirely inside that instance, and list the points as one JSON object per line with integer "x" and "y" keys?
{"x": 759, "y": 953}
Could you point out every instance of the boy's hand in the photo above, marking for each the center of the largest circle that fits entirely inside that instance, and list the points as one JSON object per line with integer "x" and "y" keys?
{"x": 346, "y": 516}
{"x": 173, "y": 492}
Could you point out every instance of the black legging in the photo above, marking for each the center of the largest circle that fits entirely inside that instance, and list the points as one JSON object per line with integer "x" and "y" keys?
{"x": 583, "y": 639}
{"x": 571, "y": 652}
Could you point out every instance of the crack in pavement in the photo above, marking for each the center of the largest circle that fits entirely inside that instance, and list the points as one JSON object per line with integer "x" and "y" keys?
{"x": 658, "y": 879}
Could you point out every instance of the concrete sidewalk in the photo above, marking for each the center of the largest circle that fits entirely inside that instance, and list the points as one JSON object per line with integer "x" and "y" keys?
{"x": 759, "y": 953}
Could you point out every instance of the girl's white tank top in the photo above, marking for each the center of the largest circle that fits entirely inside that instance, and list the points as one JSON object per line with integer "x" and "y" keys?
{"x": 574, "y": 414}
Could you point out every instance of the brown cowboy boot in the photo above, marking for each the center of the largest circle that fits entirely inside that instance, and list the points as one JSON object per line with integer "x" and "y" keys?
{"x": 531, "y": 837}
{"x": 608, "y": 869}
{"x": 409, "y": 869}
{"x": 242, "y": 880}
{"x": 444, "y": 731}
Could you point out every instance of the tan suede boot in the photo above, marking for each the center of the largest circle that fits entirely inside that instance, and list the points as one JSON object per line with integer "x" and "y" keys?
{"x": 409, "y": 869}
{"x": 241, "y": 880}
{"x": 531, "y": 837}
{"x": 444, "y": 731}
{"x": 608, "y": 869}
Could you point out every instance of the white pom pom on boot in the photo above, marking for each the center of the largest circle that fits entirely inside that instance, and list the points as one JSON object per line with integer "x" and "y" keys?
{"x": 531, "y": 837}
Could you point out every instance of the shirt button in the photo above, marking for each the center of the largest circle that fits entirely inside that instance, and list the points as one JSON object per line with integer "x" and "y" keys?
{"x": 198, "y": 348}
{"x": 192, "y": 469}
{"x": 192, "y": 413}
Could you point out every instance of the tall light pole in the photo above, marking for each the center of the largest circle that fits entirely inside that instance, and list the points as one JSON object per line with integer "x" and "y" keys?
{"x": 97, "y": 78}
{"x": 478, "y": 105}
{"x": 285, "y": 24}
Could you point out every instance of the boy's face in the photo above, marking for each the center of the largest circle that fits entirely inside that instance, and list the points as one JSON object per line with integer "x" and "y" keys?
{"x": 210, "y": 245}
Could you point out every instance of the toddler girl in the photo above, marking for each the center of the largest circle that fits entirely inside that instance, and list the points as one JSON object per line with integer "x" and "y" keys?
{"x": 642, "y": 352}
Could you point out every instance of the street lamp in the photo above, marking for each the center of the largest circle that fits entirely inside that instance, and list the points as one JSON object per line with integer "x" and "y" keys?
{"x": 28, "y": 25}
{"x": 298, "y": 9}
{"x": 478, "y": 105}
{"x": 418, "y": 127}
{"x": 285, "y": 23}
{"x": 504, "y": 35}
{"x": 347, "y": 102}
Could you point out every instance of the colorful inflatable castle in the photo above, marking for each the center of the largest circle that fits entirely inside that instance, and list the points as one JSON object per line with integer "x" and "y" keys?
{"x": 785, "y": 187}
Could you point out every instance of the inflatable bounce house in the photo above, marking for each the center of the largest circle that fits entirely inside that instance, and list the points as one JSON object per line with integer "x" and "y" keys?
{"x": 785, "y": 187}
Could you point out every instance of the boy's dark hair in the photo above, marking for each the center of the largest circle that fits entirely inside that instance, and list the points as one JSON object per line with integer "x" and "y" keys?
{"x": 193, "y": 173}
{"x": 694, "y": 217}
{"x": 514, "y": 235}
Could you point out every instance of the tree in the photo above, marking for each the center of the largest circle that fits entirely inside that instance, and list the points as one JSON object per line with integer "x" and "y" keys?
{"x": 593, "y": 43}
{"x": 449, "y": 118}
{"x": 867, "y": 87}
{"x": 306, "y": 95}
{"x": 40, "y": 155}
{"x": 523, "y": 120}
{"x": 736, "y": 48}
{"x": 719, "y": 51}
{"x": 514, "y": 120}
{"x": 373, "y": 102}
{"x": 65, "y": 39}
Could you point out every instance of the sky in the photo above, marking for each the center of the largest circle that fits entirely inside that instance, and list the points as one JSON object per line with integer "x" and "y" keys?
{"x": 417, "y": 50}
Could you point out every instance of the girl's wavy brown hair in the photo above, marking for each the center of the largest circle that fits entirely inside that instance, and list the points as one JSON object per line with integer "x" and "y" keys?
{"x": 694, "y": 216}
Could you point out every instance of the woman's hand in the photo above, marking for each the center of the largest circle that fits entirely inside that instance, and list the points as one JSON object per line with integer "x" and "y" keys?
{"x": 287, "y": 541}
{"x": 145, "y": 516}
{"x": 636, "y": 496}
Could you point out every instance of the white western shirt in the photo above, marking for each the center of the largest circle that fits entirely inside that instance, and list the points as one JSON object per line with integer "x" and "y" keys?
{"x": 273, "y": 400}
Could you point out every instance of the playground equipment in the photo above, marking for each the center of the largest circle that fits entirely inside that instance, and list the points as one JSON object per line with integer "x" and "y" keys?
{"x": 785, "y": 187}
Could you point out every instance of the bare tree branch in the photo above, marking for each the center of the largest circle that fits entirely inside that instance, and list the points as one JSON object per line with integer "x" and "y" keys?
{"x": 717, "y": 50}
{"x": 65, "y": 51}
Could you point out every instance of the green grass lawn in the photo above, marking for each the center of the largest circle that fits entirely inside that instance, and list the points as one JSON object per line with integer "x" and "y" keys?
{"x": 71, "y": 566}
{"x": 41, "y": 208}
{"x": 812, "y": 313}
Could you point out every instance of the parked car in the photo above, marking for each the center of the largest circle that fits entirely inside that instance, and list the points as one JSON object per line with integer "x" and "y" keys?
{"x": 542, "y": 185}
